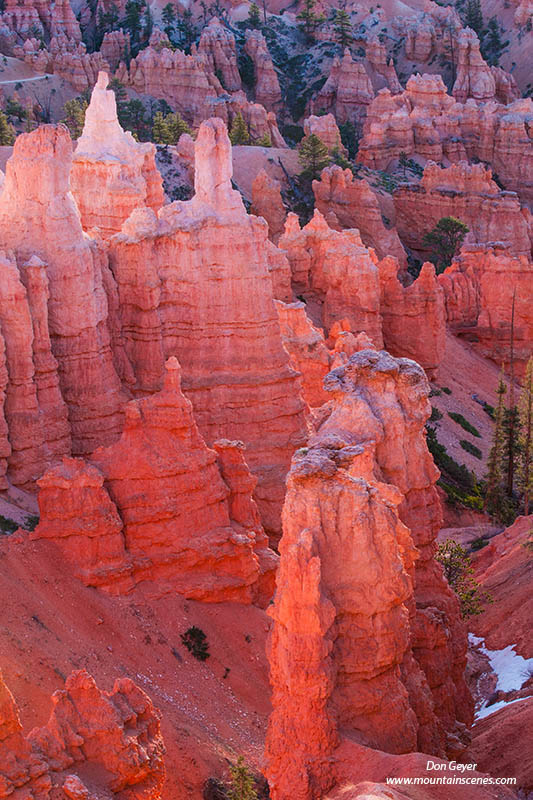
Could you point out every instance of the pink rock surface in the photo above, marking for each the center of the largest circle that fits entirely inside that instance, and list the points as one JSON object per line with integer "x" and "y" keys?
{"x": 111, "y": 740}
{"x": 414, "y": 318}
{"x": 335, "y": 273}
{"x": 267, "y": 89}
{"x": 38, "y": 217}
{"x": 217, "y": 46}
{"x": 326, "y": 128}
{"x": 465, "y": 191}
{"x": 348, "y": 658}
{"x": 347, "y": 202}
{"x": 347, "y": 92}
{"x": 479, "y": 288}
{"x": 180, "y": 294}
{"x": 111, "y": 173}
{"x": 267, "y": 203}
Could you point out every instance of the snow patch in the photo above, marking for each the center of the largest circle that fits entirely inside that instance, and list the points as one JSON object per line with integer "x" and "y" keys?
{"x": 511, "y": 669}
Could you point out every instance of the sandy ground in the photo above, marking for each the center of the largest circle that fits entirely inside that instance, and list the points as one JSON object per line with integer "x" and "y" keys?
{"x": 51, "y": 624}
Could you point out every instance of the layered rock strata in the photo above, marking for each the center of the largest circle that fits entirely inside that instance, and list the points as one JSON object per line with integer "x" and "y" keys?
{"x": 108, "y": 741}
{"x": 362, "y": 631}
{"x": 414, "y": 317}
{"x": 111, "y": 173}
{"x": 65, "y": 277}
{"x": 347, "y": 202}
{"x": 479, "y": 288}
{"x": 467, "y": 192}
{"x": 194, "y": 282}
{"x": 335, "y": 273}
{"x": 181, "y": 518}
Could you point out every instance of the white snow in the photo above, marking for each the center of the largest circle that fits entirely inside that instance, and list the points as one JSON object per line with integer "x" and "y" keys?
{"x": 511, "y": 669}
{"x": 486, "y": 711}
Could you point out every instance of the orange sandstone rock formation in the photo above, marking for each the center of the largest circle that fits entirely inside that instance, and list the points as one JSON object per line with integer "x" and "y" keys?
{"x": 180, "y": 294}
{"x": 347, "y": 202}
{"x": 217, "y": 46}
{"x": 111, "y": 173}
{"x": 95, "y": 744}
{"x": 38, "y": 217}
{"x": 335, "y": 273}
{"x": 467, "y": 192}
{"x": 325, "y": 127}
{"x": 350, "y": 654}
{"x": 479, "y": 288}
{"x": 156, "y": 506}
{"x": 347, "y": 92}
{"x": 267, "y": 203}
{"x": 425, "y": 121}
{"x": 267, "y": 89}
{"x": 414, "y": 317}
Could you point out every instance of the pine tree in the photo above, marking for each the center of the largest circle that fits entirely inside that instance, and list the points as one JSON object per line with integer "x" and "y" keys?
{"x": 525, "y": 412}
{"x": 459, "y": 573}
{"x": 254, "y": 17}
{"x": 176, "y": 125}
{"x": 474, "y": 17}
{"x": 264, "y": 141}
{"x": 313, "y": 156}
{"x": 445, "y": 240}
{"x": 239, "y": 131}
{"x": 494, "y": 494}
{"x": 343, "y": 27}
{"x": 7, "y": 131}
{"x": 309, "y": 19}
{"x": 160, "y": 132}
{"x": 169, "y": 19}
{"x": 74, "y": 117}
{"x": 242, "y": 782}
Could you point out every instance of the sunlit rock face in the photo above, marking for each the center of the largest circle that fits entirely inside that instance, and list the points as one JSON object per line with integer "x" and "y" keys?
{"x": 111, "y": 173}
{"x": 194, "y": 282}
{"x": 122, "y": 744}
{"x": 62, "y": 280}
{"x": 364, "y": 621}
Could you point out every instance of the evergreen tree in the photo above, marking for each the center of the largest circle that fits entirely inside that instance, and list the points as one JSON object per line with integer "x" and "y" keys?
{"x": 242, "y": 782}
{"x": 160, "y": 132}
{"x": 525, "y": 464}
{"x": 169, "y": 19}
{"x": 176, "y": 125}
{"x": 132, "y": 21}
{"x": 445, "y": 241}
{"x": 309, "y": 19}
{"x": 264, "y": 141}
{"x": 7, "y": 131}
{"x": 494, "y": 493}
{"x": 254, "y": 17}
{"x": 313, "y": 156}
{"x": 74, "y": 117}
{"x": 474, "y": 17}
{"x": 343, "y": 27}
{"x": 239, "y": 131}
{"x": 404, "y": 162}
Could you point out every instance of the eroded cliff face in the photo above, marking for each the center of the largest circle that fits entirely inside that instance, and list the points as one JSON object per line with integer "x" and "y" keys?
{"x": 111, "y": 173}
{"x": 335, "y": 273}
{"x": 479, "y": 288}
{"x": 58, "y": 312}
{"x": 95, "y": 744}
{"x": 370, "y": 627}
{"x": 181, "y": 294}
{"x": 465, "y": 191}
{"x": 159, "y": 506}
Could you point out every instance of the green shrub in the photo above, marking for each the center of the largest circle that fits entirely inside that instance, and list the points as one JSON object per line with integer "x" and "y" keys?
{"x": 471, "y": 448}
{"x": 195, "y": 640}
{"x": 446, "y": 390}
{"x": 435, "y": 414}
{"x": 242, "y": 785}
{"x": 465, "y": 425}
{"x": 460, "y": 576}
